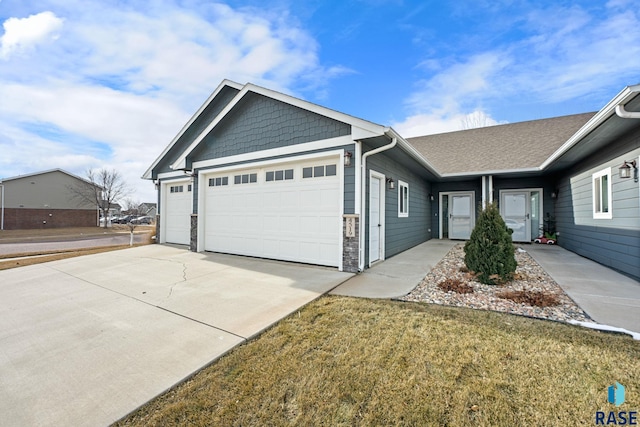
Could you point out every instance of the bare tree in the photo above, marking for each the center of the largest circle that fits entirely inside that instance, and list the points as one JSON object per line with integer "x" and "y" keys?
{"x": 130, "y": 206}
{"x": 104, "y": 187}
{"x": 474, "y": 120}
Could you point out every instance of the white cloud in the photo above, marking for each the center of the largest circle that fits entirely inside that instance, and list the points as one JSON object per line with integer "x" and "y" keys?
{"x": 427, "y": 124}
{"x": 567, "y": 53}
{"x": 127, "y": 80}
{"x": 21, "y": 34}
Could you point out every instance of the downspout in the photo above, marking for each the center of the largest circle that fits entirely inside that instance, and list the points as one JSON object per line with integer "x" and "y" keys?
{"x": 363, "y": 193}
{"x": 621, "y": 112}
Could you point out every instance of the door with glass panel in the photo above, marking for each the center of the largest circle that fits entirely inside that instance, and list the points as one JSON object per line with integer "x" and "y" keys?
{"x": 514, "y": 207}
{"x": 461, "y": 215}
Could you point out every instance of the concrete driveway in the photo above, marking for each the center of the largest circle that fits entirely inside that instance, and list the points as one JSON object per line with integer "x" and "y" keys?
{"x": 86, "y": 340}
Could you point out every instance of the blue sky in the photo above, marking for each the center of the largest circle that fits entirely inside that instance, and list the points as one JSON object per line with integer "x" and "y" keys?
{"x": 90, "y": 84}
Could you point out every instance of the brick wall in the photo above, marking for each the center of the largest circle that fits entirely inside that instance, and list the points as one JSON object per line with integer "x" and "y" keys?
{"x": 23, "y": 218}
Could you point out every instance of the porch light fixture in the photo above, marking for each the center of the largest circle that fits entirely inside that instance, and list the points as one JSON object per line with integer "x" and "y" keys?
{"x": 554, "y": 194}
{"x": 347, "y": 158}
{"x": 431, "y": 197}
{"x": 625, "y": 170}
{"x": 391, "y": 183}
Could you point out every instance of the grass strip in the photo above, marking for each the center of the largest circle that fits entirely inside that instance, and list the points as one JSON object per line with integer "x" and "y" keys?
{"x": 343, "y": 361}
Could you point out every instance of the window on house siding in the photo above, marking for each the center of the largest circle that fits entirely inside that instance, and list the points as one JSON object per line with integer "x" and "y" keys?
{"x": 176, "y": 189}
{"x": 601, "y": 183}
{"x": 403, "y": 199}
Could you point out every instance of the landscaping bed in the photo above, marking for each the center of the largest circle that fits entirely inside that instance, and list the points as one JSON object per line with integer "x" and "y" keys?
{"x": 544, "y": 298}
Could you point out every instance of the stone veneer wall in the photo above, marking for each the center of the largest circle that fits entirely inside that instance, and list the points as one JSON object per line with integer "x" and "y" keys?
{"x": 350, "y": 246}
{"x": 193, "y": 243}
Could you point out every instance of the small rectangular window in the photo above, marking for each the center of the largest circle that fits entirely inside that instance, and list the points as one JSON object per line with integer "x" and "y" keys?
{"x": 403, "y": 199}
{"x": 216, "y": 182}
{"x": 245, "y": 178}
{"x": 269, "y": 176}
{"x": 189, "y": 187}
{"x": 318, "y": 171}
{"x": 237, "y": 179}
{"x": 279, "y": 175}
{"x": 253, "y": 177}
{"x": 288, "y": 174}
{"x": 330, "y": 170}
{"x": 601, "y": 186}
{"x": 307, "y": 172}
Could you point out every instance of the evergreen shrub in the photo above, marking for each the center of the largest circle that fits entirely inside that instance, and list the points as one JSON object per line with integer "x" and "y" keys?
{"x": 490, "y": 253}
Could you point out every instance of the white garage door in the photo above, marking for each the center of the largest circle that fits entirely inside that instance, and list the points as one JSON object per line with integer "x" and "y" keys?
{"x": 177, "y": 218}
{"x": 288, "y": 212}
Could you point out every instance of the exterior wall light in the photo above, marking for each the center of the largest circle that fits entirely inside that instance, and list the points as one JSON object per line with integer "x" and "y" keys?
{"x": 554, "y": 194}
{"x": 391, "y": 183}
{"x": 347, "y": 158}
{"x": 432, "y": 197}
{"x": 625, "y": 170}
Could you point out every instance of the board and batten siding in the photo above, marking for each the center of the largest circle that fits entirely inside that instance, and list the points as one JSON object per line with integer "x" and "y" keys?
{"x": 612, "y": 242}
{"x": 401, "y": 233}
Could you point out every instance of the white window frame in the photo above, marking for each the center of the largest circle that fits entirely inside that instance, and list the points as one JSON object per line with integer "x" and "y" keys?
{"x": 403, "y": 213}
{"x": 596, "y": 186}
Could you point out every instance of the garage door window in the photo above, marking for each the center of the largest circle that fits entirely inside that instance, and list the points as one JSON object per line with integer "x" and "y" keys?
{"x": 217, "y": 182}
{"x": 176, "y": 189}
{"x": 280, "y": 175}
{"x": 247, "y": 178}
{"x": 319, "y": 171}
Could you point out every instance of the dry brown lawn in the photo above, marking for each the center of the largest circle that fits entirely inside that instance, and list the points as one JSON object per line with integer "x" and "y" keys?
{"x": 343, "y": 361}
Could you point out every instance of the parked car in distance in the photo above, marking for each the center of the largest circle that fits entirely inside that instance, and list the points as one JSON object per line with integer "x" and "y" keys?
{"x": 124, "y": 219}
{"x": 142, "y": 220}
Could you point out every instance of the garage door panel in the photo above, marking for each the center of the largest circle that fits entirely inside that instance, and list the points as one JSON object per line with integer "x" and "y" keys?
{"x": 296, "y": 219}
{"x": 177, "y": 215}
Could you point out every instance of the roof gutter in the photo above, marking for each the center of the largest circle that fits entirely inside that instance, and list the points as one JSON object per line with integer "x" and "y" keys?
{"x": 621, "y": 112}
{"x": 627, "y": 94}
{"x": 363, "y": 190}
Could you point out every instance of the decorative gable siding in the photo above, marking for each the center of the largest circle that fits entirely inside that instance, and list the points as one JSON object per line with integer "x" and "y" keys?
{"x": 223, "y": 98}
{"x": 261, "y": 123}
{"x": 613, "y": 242}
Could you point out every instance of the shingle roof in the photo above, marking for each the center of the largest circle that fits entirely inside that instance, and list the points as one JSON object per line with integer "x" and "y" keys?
{"x": 513, "y": 146}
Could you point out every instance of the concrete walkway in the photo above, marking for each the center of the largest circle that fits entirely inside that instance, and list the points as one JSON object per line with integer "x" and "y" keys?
{"x": 86, "y": 340}
{"x": 610, "y": 298}
{"x": 398, "y": 275}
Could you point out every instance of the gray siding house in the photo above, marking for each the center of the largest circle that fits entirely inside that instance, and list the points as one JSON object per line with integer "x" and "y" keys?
{"x": 260, "y": 173}
{"x": 44, "y": 200}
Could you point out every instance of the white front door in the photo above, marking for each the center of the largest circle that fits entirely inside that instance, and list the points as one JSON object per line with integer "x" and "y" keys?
{"x": 376, "y": 210}
{"x": 515, "y": 208}
{"x": 461, "y": 217}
